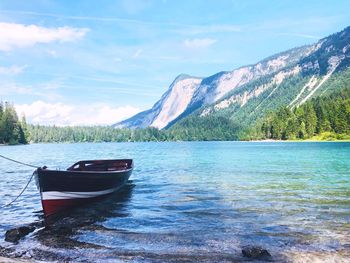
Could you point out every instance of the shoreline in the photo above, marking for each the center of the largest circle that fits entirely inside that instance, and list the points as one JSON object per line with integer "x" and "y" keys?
{"x": 307, "y": 140}
{"x": 255, "y": 140}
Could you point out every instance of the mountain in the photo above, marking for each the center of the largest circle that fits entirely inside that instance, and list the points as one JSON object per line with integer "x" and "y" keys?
{"x": 246, "y": 94}
{"x": 173, "y": 102}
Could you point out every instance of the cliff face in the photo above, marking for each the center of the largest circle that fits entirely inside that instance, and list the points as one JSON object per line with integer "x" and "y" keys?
{"x": 288, "y": 78}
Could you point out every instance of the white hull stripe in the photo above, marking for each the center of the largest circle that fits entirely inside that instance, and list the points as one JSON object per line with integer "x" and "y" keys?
{"x": 52, "y": 195}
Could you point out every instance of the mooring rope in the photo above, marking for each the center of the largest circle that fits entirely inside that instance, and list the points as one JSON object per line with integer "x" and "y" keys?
{"x": 12, "y": 160}
{"x": 24, "y": 188}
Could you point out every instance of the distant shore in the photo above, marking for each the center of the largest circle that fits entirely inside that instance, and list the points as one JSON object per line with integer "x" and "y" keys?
{"x": 307, "y": 140}
{"x": 262, "y": 140}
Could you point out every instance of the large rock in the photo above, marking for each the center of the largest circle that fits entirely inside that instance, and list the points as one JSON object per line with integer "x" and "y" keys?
{"x": 15, "y": 234}
{"x": 256, "y": 252}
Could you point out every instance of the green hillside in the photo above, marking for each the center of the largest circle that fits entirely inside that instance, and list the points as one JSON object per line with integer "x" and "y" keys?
{"x": 323, "y": 71}
{"x": 324, "y": 117}
{"x": 328, "y": 112}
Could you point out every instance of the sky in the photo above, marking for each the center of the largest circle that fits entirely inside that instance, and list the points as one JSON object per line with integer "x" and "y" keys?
{"x": 98, "y": 62}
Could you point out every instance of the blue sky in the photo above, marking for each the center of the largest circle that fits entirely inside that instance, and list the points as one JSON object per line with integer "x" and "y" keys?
{"x": 97, "y": 62}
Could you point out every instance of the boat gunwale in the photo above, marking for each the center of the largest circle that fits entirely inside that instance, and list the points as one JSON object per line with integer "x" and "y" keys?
{"x": 85, "y": 172}
{"x": 92, "y": 171}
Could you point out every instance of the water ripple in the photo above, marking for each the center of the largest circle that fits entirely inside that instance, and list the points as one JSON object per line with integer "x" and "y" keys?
{"x": 200, "y": 198}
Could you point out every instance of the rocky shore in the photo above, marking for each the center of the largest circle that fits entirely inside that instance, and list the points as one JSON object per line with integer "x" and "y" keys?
{"x": 57, "y": 243}
{"x": 59, "y": 235}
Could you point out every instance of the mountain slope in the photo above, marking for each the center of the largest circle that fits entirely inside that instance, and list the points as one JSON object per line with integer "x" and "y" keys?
{"x": 247, "y": 93}
{"x": 187, "y": 93}
{"x": 293, "y": 85}
{"x": 173, "y": 102}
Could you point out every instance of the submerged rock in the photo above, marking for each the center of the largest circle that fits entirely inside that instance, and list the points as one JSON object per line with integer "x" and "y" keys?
{"x": 15, "y": 234}
{"x": 256, "y": 252}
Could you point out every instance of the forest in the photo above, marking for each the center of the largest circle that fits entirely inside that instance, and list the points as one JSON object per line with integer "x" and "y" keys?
{"x": 12, "y": 130}
{"x": 322, "y": 118}
{"x": 211, "y": 129}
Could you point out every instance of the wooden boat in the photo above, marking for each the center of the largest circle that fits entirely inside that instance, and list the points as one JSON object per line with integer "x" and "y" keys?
{"x": 83, "y": 182}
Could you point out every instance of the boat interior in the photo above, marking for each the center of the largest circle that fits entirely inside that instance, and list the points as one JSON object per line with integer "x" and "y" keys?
{"x": 102, "y": 165}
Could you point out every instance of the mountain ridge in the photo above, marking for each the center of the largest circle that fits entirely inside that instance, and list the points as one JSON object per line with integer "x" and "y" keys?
{"x": 300, "y": 72}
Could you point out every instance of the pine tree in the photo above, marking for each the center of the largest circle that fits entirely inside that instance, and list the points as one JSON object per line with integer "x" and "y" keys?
{"x": 302, "y": 131}
{"x": 11, "y": 130}
{"x": 310, "y": 119}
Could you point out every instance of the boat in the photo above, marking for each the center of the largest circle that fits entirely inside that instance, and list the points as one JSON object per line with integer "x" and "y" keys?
{"x": 83, "y": 182}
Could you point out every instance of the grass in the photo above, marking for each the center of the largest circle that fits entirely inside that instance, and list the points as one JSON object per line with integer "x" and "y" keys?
{"x": 330, "y": 136}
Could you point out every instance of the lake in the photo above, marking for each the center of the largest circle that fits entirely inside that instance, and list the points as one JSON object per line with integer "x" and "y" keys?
{"x": 195, "y": 201}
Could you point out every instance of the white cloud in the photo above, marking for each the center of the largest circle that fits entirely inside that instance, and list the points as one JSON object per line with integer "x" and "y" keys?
{"x": 60, "y": 114}
{"x": 135, "y": 6}
{"x": 199, "y": 42}
{"x": 13, "y": 70}
{"x": 18, "y": 35}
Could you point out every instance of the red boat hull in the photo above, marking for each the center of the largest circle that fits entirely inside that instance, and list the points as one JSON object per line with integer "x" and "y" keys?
{"x": 64, "y": 190}
{"x": 52, "y": 207}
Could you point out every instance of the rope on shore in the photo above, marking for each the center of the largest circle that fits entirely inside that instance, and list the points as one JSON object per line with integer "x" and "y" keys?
{"x": 24, "y": 188}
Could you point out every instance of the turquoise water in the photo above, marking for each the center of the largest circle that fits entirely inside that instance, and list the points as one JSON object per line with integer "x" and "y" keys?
{"x": 203, "y": 198}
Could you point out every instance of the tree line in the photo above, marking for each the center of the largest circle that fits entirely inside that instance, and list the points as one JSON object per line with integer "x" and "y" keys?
{"x": 12, "y": 130}
{"x": 39, "y": 134}
{"x": 190, "y": 130}
{"x": 324, "y": 115}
